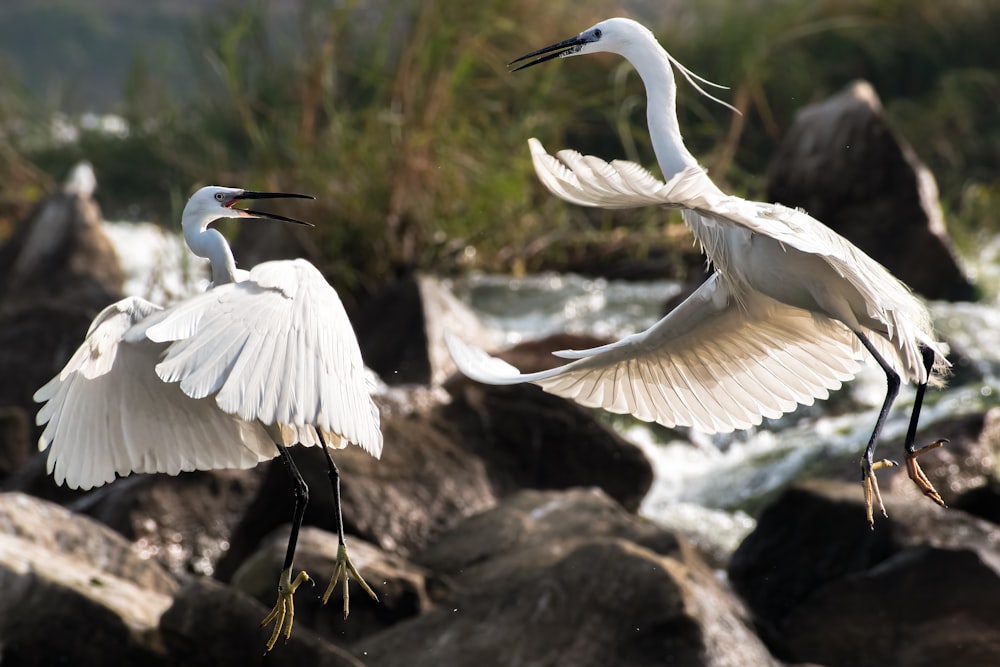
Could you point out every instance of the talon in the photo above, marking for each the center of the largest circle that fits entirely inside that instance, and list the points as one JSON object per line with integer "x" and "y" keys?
{"x": 283, "y": 612}
{"x": 916, "y": 473}
{"x": 343, "y": 573}
{"x": 884, "y": 463}
{"x": 872, "y": 493}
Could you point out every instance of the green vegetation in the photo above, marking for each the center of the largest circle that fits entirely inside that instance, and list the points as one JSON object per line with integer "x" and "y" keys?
{"x": 406, "y": 125}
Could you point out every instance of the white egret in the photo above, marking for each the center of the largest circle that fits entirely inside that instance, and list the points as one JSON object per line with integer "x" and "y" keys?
{"x": 780, "y": 321}
{"x": 226, "y": 379}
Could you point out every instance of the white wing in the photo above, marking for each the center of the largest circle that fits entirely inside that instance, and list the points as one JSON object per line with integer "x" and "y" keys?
{"x": 277, "y": 347}
{"x": 107, "y": 413}
{"x": 590, "y": 181}
{"x": 709, "y": 364}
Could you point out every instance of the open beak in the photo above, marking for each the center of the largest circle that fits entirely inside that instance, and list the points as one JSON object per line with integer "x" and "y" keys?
{"x": 250, "y": 213}
{"x": 564, "y": 48}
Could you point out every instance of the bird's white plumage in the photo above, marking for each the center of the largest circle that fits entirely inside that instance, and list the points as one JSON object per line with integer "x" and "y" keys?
{"x": 586, "y": 180}
{"x": 709, "y": 364}
{"x": 776, "y": 325}
{"x": 108, "y": 414}
{"x": 897, "y": 321}
{"x": 215, "y": 381}
{"x": 276, "y": 347}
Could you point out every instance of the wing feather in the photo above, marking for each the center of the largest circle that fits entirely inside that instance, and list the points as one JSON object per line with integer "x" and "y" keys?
{"x": 710, "y": 363}
{"x": 220, "y": 339}
{"x": 107, "y": 413}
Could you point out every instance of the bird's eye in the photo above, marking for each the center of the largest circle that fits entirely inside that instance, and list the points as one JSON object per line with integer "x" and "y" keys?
{"x": 597, "y": 33}
{"x": 219, "y": 196}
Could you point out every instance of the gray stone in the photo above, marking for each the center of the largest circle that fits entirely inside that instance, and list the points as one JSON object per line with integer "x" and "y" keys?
{"x": 74, "y": 591}
{"x": 569, "y": 578}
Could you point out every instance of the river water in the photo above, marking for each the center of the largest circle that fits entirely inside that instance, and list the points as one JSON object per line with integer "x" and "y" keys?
{"x": 705, "y": 486}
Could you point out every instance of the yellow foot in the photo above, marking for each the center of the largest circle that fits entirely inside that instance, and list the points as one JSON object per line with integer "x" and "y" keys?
{"x": 284, "y": 609}
{"x": 918, "y": 476}
{"x": 872, "y": 494}
{"x": 344, "y": 571}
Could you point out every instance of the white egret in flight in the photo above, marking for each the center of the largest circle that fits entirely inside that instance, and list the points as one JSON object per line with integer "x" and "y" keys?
{"x": 778, "y": 324}
{"x": 261, "y": 361}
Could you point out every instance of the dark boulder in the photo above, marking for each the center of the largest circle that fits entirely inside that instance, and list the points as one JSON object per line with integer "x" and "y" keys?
{"x": 569, "y": 578}
{"x": 921, "y": 589}
{"x": 212, "y": 625}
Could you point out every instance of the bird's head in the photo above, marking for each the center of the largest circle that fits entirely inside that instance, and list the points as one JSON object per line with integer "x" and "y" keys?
{"x": 624, "y": 37}
{"x": 610, "y": 36}
{"x": 213, "y": 202}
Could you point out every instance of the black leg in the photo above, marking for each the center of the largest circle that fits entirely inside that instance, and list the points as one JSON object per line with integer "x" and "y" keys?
{"x": 301, "y": 491}
{"x": 283, "y": 613}
{"x": 334, "y": 474}
{"x": 911, "y": 432}
{"x": 892, "y": 390}
{"x": 912, "y": 452}
{"x": 868, "y": 463}
{"x": 344, "y": 568}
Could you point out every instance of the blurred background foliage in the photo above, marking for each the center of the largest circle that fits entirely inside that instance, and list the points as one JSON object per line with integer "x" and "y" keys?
{"x": 401, "y": 116}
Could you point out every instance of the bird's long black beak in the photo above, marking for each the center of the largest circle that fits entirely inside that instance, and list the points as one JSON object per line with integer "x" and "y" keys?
{"x": 564, "y": 48}
{"x": 250, "y": 194}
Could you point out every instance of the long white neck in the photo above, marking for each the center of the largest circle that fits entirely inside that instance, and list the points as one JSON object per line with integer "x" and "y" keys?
{"x": 657, "y": 74}
{"x": 211, "y": 245}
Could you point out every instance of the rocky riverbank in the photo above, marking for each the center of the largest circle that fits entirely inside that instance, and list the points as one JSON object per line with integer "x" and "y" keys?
{"x": 499, "y": 528}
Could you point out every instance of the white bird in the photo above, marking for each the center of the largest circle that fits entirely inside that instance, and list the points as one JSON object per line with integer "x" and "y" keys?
{"x": 783, "y": 319}
{"x": 263, "y": 360}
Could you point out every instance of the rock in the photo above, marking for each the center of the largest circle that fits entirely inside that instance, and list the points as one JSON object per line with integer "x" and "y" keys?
{"x": 969, "y": 468}
{"x": 922, "y": 607}
{"x": 569, "y": 578}
{"x": 536, "y": 355}
{"x": 185, "y": 522}
{"x": 400, "y": 586}
{"x": 401, "y": 331}
{"x": 60, "y": 252}
{"x": 918, "y": 590}
{"x": 56, "y": 529}
{"x": 74, "y": 591}
{"x": 16, "y": 445}
{"x": 842, "y": 162}
{"x": 532, "y": 439}
{"x": 212, "y": 625}
{"x": 968, "y": 461}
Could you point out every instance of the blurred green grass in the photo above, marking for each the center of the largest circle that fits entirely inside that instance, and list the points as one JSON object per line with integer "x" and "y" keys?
{"x": 402, "y": 119}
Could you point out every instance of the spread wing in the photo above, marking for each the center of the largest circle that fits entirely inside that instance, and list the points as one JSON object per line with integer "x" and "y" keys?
{"x": 108, "y": 414}
{"x": 276, "y": 347}
{"x": 709, "y": 363}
